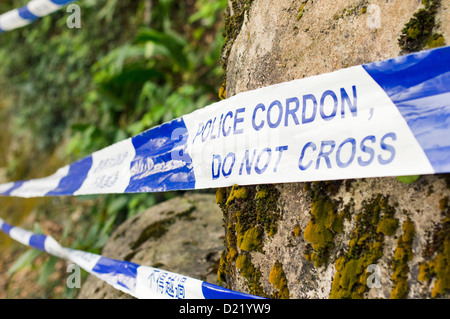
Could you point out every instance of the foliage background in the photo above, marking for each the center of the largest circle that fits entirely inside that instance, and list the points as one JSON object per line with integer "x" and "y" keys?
{"x": 65, "y": 93}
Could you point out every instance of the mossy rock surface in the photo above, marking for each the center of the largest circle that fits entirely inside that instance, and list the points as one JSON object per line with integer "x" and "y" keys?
{"x": 326, "y": 234}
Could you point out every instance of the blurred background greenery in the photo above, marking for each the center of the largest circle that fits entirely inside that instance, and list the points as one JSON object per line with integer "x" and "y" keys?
{"x": 65, "y": 93}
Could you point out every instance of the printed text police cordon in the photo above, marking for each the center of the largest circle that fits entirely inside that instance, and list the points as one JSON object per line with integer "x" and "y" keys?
{"x": 331, "y": 105}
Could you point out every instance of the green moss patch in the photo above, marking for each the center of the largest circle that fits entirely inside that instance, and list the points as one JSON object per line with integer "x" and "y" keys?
{"x": 233, "y": 25}
{"x": 387, "y": 226}
{"x": 325, "y": 220}
{"x": 365, "y": 248}
{"x": 250, "y": 214}
{"x": 267, "y": 211}
{"x": 251, "y": 274}
{"x": 352, "y": 10}
{"x": 321, "y": 228}
{"x": 403, "y": 253}
{"x": 438, "y": 267}
{"x": 159, "y": 228}
{"x": 418, "y": 32}
{"x": 301, "y": 10}
{"x": 153, "y": 231}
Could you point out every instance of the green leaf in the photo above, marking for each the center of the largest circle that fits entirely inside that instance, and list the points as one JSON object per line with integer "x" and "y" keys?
{"x": 117, "y": 204}
{"x": 103, "y": 235}
{"x": 407, "y": 179}
{"x": 37, "y": 229}
{"x": 79, "y": 127}
{"x": 67, "y": 230}
{"x": 24, "y": 260}
{"x": 173, "y": 42}
{"x": 46, "y": 269}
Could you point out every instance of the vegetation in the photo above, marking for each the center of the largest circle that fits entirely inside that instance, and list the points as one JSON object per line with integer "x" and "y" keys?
{"x": 131, "y": 66}
{"x": 419, "y": 33}
{"x": 364, "y": 248}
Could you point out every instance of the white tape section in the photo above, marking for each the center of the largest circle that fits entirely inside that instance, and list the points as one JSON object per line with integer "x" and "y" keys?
{"x": 316, "y": 134}
{"x": 110, "y": 172}
{"x": 42, "y": 8}
{"x": 12, "y": 20}
{"x": 40, "y": 187}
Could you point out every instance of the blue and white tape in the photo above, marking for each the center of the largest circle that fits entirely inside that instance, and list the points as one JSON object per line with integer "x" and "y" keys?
{"x": 138, "y": 281}
{"x": 34, "y": 10}
{"x": 388, "y": 118}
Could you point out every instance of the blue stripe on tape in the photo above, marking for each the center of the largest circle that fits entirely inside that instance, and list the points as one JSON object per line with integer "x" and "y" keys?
{"x": 38, "y": 241}
{"x": 211, "y": 291}
{"x": 124, "y": 271}
{"x": 25, "y": 13}
{"x": 61, "y": 2}
{"x": 74, "y": 179}
{"x": 6, "y": 228}
{"x": 161, "y": 162}
{"x": 420, "y": 90}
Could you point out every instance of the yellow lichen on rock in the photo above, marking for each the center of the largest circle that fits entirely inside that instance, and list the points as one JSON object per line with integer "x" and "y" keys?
{"x": 365, "y": 248}
{"x": 277, "y": 278}
{"x": 251, "y": 240}
{"x": 439, "y": 267}
{"x": 322, "y": 227}
{"x": 238, "y": 192}
{"x": 402, "y": 255}
{"x": 387, "y": 226}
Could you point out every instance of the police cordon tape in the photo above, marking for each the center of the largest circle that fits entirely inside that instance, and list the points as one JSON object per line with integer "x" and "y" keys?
{"x": 139, "y": 281}
{"x": 29, "y": 13}
{"x": 388, "y": 118}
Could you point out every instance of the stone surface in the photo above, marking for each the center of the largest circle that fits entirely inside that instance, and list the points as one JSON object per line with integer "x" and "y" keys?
{"x": 275, "y": 45}
{"x": 182, "y": 235}
{"x": 282, "y": 40}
